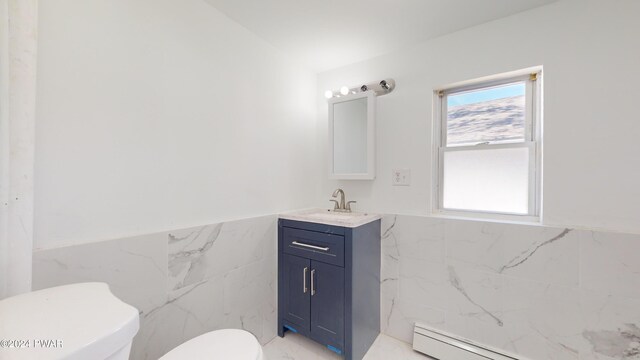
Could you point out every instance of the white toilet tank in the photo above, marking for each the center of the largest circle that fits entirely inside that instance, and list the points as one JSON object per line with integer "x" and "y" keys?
{"x": 78, "y": 321}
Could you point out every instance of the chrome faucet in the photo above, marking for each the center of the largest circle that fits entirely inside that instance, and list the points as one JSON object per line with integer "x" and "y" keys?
{"x": 341, "y": 206}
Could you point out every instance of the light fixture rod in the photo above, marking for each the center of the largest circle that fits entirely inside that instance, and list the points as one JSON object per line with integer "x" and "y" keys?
{"x": 382, "y": 87}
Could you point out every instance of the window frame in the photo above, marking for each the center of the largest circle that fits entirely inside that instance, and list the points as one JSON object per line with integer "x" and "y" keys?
{"x": 532, "y": 140}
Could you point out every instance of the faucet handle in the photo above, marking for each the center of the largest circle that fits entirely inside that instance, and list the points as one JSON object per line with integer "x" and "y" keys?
{"x": 348, "y": 207}
{"x": 336, "y": 206}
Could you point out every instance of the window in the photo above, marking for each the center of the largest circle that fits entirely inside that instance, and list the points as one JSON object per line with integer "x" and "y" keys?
{"x": 488, "y": 147}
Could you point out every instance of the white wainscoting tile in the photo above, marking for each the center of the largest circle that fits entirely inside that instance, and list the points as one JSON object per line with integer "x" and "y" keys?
{"x": 424, "y": 282}
{"x": 530, "y": 252}
{"x": 542, "y": 321}
{"x": 184, "y": 282}
{"x": 199, "y": 253}
{"x": 135, "y": 268}
{"x": 610, "y": 263}
{"x": 611, "y": 327}
{"x": 183, "y": 316}
{"x": 403, "y": 314}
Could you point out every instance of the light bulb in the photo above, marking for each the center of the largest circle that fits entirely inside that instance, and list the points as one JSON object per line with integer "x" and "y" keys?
{"x": 344, "y": 90}
{"x": 328, "y": 94}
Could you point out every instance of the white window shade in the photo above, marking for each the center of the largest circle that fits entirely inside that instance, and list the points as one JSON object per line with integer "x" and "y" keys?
{"x": 487, "y": 180}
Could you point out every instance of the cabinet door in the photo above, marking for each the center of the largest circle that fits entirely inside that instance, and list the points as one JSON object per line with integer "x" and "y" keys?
{"x": 297, "y": 274}
{"x": 327, "y": 304}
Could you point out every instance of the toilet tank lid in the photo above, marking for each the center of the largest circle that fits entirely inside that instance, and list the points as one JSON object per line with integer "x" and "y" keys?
{"x": 77, "y": 321}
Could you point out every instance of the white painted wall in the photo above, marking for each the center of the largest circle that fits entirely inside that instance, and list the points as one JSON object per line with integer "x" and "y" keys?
{"x": 591, "y": 125}
{"x": 156, "y": 115}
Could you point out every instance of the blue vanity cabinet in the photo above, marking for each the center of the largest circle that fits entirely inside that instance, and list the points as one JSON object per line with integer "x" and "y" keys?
{"x": 295, "y": 290}
{"x": 329, "y": 284}
{"x": 327, "y": 304}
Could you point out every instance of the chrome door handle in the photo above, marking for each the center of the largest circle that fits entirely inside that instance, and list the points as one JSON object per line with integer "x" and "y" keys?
{"x": 313, "y": 290}
{"x": 310, "y": 246}
{"x": 304, "y": 280}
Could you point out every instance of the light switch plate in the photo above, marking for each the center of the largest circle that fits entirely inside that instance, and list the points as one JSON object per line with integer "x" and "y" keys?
{"x": 401, "y": 177}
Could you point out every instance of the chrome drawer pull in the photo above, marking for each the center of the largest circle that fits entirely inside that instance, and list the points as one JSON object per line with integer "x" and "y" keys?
{"x": 304, "y": 280}
{"x": 313, "y": 290}
{"x": 311, "y": 246}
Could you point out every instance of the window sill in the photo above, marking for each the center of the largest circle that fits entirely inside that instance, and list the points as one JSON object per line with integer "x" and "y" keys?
{"x": 487, "y": 217}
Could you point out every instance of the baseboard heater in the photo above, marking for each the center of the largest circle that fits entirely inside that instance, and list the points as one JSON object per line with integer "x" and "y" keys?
{"x": 442, "y": 346}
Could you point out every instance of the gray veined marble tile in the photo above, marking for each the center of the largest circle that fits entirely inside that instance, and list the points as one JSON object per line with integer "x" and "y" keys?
{"x": 474, "y": 308}
{"x": 402, "y": 237}
{"x": 389, "y": 278}
{"x": 220, "y": 276}
{"x": 419, "y": 237}
{"x": 135, "y": 268}
{"x": 399, "y": 317}
{"x": 180, "y": 318}
{"x": 509, "y": 286}
{"x": 184, "y": 282}
{"x": 521, "y": 288}
{"x": 610, "y": 263}
{"x": 474, "y": 293}
{"x": 542, "y": 321}
{"x": 538, "y": 253}
{"x": 390, "y": 248}
{"x": 250, "y": 299}
{"x": 620, "y": 343}
{"x": 188, "y": 250}
{"x": 475, "y": 244}
{"x": 423, "y": 282}
{"x": 390, "y": 268}
{"x": 197, "y": 254}
{"x": 526, "y": 255}
{"x": 611, "y": 327}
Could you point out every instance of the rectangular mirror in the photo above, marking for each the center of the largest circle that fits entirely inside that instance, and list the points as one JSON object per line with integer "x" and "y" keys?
{"x": 352, "y": 136}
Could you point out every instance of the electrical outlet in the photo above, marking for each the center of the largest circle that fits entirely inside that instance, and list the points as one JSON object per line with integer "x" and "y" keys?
{"x": 401, "y": 177}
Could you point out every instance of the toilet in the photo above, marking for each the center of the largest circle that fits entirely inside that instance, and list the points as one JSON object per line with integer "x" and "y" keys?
{"x": 86, "y": 321}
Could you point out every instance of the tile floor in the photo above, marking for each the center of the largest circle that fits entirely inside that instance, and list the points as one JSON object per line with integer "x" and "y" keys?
{"x": 297, "y": 347}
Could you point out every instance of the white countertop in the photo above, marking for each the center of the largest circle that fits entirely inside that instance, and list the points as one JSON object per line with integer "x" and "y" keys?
{"x": 327, "y": 217}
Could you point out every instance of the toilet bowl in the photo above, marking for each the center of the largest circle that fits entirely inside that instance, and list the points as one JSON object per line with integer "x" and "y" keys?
{"x": 86, "y": 321}
{"x": 219, "y": 344}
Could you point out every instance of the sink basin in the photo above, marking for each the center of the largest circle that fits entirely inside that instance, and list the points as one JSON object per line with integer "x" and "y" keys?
{"x": 329, "y": 217}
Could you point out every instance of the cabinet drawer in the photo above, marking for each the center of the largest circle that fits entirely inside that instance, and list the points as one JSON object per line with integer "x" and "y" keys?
{"x": 319, "y": 246}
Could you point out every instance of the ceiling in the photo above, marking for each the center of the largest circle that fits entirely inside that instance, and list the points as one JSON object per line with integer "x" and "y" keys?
{"x": 326, "y": 34}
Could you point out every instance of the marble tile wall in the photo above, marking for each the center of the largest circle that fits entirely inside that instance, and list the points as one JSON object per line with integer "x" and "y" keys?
{"x": 538, "y": 292}
{"x": 184, "y": 282}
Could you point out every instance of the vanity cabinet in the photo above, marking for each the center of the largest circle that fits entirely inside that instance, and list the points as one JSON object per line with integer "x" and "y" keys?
{"x": 314, "y": 298}
{"x": 329, "y": 284}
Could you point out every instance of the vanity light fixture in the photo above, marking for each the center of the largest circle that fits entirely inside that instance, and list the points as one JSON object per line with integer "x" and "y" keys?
{"x": 380, "y": 88}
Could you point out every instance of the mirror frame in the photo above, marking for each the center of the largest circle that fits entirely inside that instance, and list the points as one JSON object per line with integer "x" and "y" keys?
{"x": 370, "y": 174}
